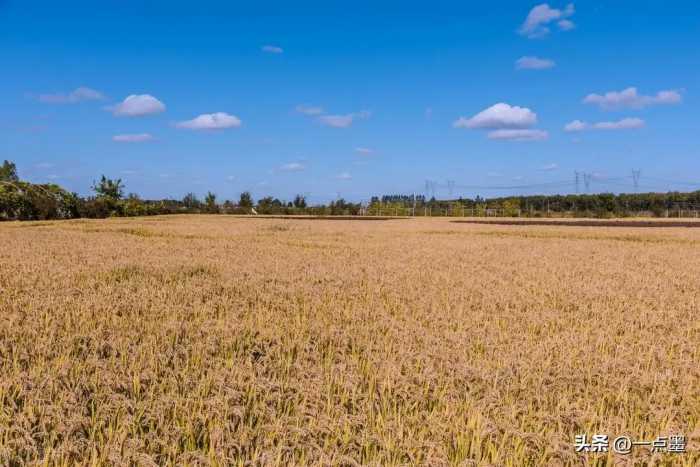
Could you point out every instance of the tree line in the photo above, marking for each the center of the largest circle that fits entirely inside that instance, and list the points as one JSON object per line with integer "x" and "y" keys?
{"x": 21, "y": 200}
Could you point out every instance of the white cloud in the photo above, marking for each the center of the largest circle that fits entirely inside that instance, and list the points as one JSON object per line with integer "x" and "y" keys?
{"x": 214, "y": 121}
{"x": 540, "y": 16}
{"x": 231, "y": 178}
{"x": 44, "y": 165}
{"x": 576, "y": 125}
{"x": 364, "y": 151}
{"x": 344, "y": 176}
{"x": 624, "y": 124}
{"x": 78, "y": 95}
{"x": 549, "y": 167}
{"x": 533, "y": 63}
{"x": 566, "y": 25}
{"x": 342, "y": 121}
{"x": 137, "y": 105}
{"x": 272, "y": 49}
{"x": 629, "y": 98}
{"x": 292, "y": 167}
{"x": 309, "y": 109}
{"x": 499, "y": 116}
{"x": 132, "y": 138}
{"x": 518, "y": 135}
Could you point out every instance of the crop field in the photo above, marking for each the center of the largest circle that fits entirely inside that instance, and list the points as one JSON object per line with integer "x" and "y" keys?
{"x": 217, "y": 340}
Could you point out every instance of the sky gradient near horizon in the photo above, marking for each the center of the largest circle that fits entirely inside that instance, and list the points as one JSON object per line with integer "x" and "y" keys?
{"x": 352, "y": 100}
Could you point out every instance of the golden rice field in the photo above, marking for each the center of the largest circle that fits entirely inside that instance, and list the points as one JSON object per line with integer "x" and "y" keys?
{"x": 216, "y": 340}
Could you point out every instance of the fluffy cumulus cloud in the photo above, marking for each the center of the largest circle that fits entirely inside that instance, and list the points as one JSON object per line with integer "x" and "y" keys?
{"x": 624, "y": 124}
{"x": 342, "y": 121}
{"x": 533, "y": 63}
{"x": 518, "y": 135}
{"x": 630, "y": 99}
{"x": 80, "y": 94}
{"x": 505, "y": 122}
{"x": 137, "y": 105}
{"x": 132, "y": 138}
{"x": 292, "y": 167}
{"x": 215, "y": 121}
{"x": 499, "y": 116}
{"x": 272, "y": 49}
{"x": 309, "y": 109}
{"x": 537, "y": 22}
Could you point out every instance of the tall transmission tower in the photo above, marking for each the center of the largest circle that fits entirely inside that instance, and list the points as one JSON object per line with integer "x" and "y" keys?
{"x": 577, "y": 175}
{"x": 635, "y": 178}
{"x": 587, "y": 181}
{"x": 430, "y": 188}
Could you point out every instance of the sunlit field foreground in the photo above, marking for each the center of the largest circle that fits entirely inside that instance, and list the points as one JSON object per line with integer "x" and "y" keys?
{"x": 214, "y": 340}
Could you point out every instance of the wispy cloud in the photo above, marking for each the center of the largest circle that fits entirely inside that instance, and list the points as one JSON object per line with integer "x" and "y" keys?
{"x": 533, "y": 63}
{"x": 576, "y": 125}
{"x": 537, "y": 21}
{"x": 80, "y": 94}
{"x": 309, "y": 109}
{"x": 624, "y": 124}
{"x": 214, "y": 121}
{"x": 630, "y": 99}
{"x": 292, "y": 167}
{"x": 334, "y": 120}
{"x": 364, "y": 151}
{"x": 549, "y": 167}
{"x": 342, "y": 121}
{"x": 132, "y": 138}
{"x": 344, "y": 176}
{"x": 518, "y": 135}
{"x": 137, "y": 105}
{"x": 272, "y": 49}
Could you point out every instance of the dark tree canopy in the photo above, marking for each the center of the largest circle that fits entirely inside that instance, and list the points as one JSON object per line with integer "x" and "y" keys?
{"x": 246, "y": 200}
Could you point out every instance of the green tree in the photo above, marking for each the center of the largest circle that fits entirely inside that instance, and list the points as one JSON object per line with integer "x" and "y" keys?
{"x": 246, "y": 201}
{"x": 8, "y": 172}
{"x": 190, "y": 201}
{"x": 210, "y": 202}
{"x": 299, "y": 202}
{"x": 108, "y": 188}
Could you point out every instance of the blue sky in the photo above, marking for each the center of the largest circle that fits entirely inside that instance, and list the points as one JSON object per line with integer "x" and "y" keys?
{"x": 351, "y": 100}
